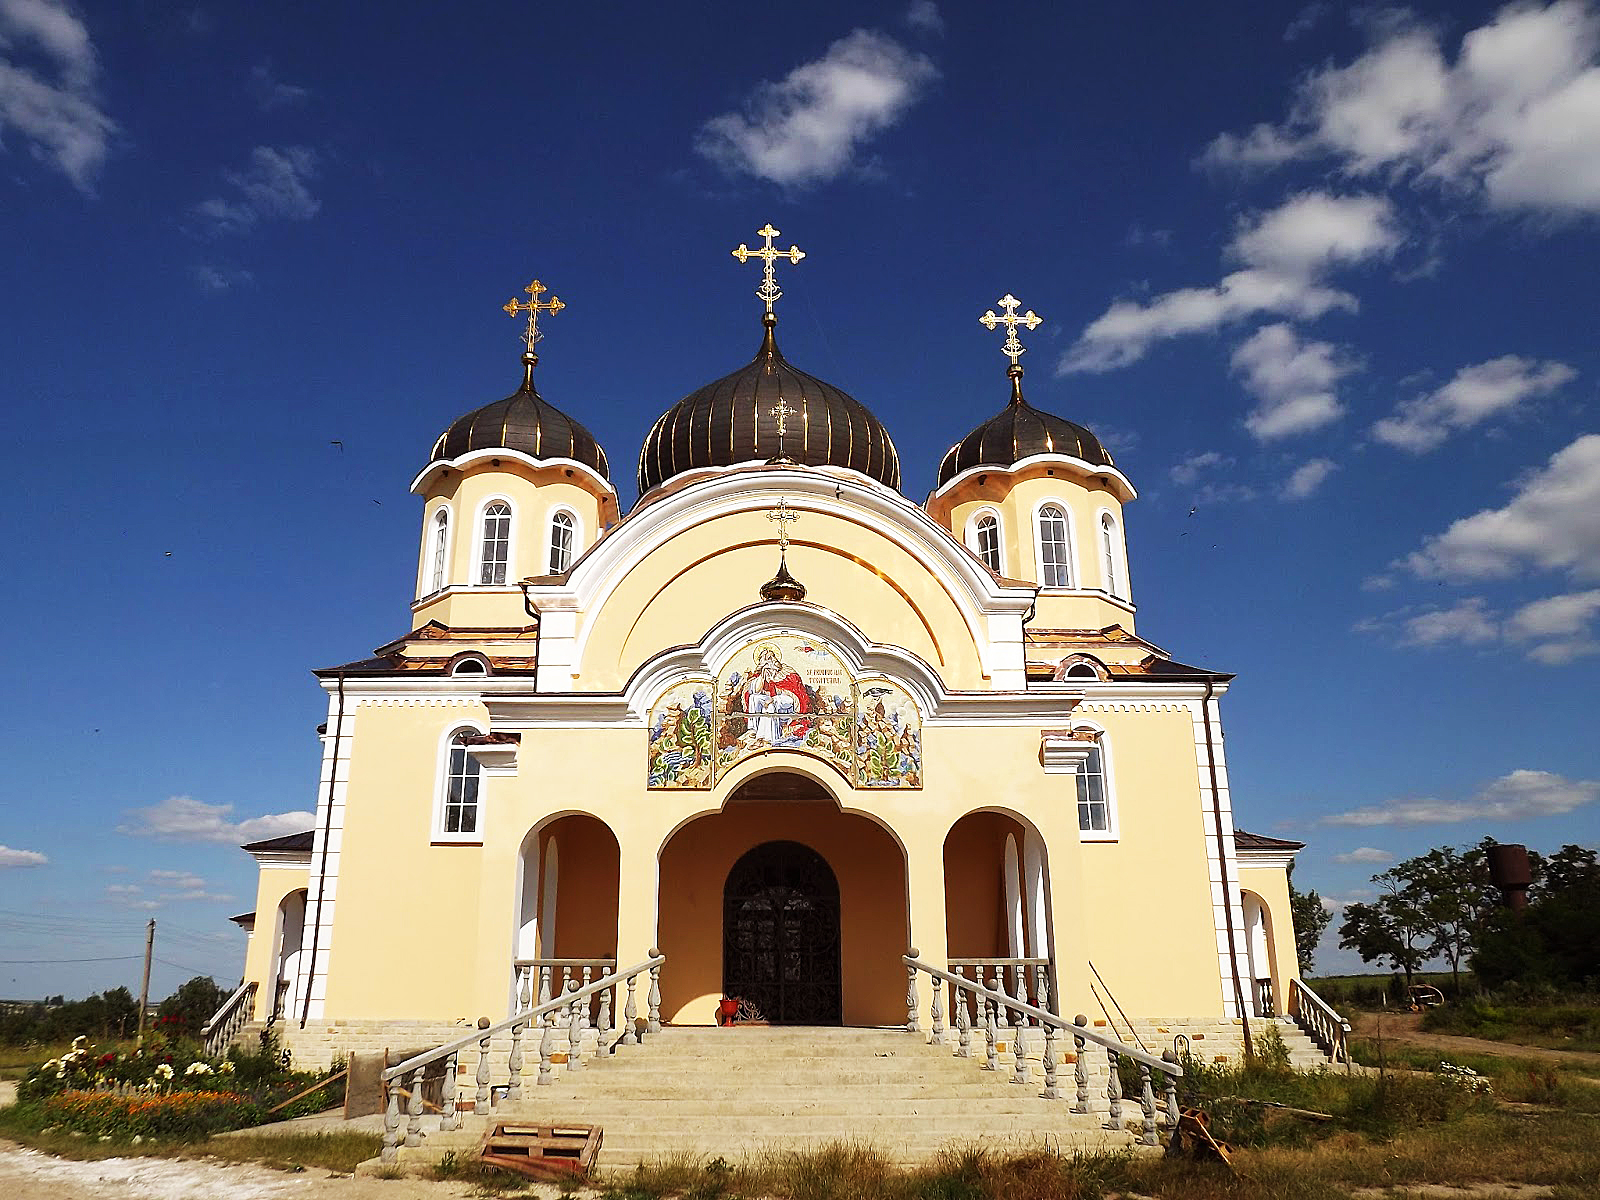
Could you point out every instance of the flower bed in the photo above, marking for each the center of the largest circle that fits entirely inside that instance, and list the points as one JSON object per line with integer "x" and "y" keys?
{"x": 171, "y": 1115}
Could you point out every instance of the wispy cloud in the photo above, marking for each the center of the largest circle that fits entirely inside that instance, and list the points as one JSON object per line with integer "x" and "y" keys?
{"x": 1551, "y": 631}
{"x": 1307, "y": 479}
{"x": 21, "y": 858}
{"x": 1293, "y": 380}
{"x": 214, "y": 278}
{"x": 1364, "y": 854}
{"x": 162, "y": 887}
{"x": 1513, "y": 120}
{"x": 1521, "y": 795}
{"x": 1190, "y": 469}
{"x": 924, "y": 17}
{"x": 48, "y": 97}
{"x": 270, "y": 92}
{"x": 185, "y": 819}
{"x": 1476, "y": 394}
{"x": 806, "y": 128}
{"x": 274, "y": 186}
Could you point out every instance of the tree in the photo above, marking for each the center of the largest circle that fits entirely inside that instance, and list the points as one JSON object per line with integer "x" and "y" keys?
{"x": 1390, "y": 929}
{"x": 1310, "y": 918}
{"x": 1556, "y": 939}
{"x": 192, "y": 1004}
{"x": 1452, "y": 895}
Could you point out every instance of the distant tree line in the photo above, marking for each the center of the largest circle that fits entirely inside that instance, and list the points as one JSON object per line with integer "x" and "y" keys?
{"x": 1442, "y": 904}
{"x": 108, "y": 1016}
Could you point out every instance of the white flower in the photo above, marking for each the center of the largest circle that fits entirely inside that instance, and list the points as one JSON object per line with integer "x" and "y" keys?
{"x": 226, "y": 1068}
{"x": 164, "y": 1071}
{"x": 197, "y": 1068}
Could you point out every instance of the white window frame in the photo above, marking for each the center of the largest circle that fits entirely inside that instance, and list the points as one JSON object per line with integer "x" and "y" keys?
{"x": 480, "y": 541}
{"x": 436, "y": 573}
{"x": 1108, "y": 787}
{"x": 1118, "y": 585}
{"x": 1074, "y": 575}
{"x": 550, "y": 538}
{"x": 442, "y": 788}
{"x": 976, "y": 546}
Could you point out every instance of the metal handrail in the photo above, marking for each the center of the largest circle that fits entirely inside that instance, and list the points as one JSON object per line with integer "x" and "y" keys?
{"x": 528, "y": 1017}
{"x": 1047, "y": 1018}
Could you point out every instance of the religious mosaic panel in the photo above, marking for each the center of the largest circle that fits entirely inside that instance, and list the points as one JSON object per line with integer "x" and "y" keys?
{"x": 888, "y": 736}
{"x": 786, "y": 692}
{"x": 682, "y": 735}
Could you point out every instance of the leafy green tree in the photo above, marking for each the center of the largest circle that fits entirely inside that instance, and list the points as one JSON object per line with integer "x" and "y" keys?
{"x": 1556, "y": 939}
{"x": 192, "y": 1004}
{"x": 1310, "y": 918}
{"x": 1392, "y": 929}
{"x": 1452, "y": 896}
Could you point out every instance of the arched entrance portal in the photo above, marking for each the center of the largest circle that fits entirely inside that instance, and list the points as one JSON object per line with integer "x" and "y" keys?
{"x": 780, "y": 934}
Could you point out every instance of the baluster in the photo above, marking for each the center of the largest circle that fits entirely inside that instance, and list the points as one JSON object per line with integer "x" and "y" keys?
{"x": 414, "y": 1110}
{"x": 574, "y": 1028}
{"x": 1114, "y": 1091}
{"x": 588, "y": 976}
{"x": 524, "y": 977}
{"x": 963, "y": 1033}
{"x": 913, "y": 1024}
{"x": 938, "y": 1011}
{"x": 1051, "y": 1092}
{"x": 993, "y": 1034}
{"x": 514, "y": 1064}
{"x": 391, "y": 1124}
{"x": 1171, "y": 1082}
{"x": 1041, "y": 987}
{"x": 544, "y": 984}
{"x": 449, "y": 1118}
{"x": 1021, "y": 993}
{"x": 1019, "y": 1049}
{"x": 547, "y": 1048}
{"x": 1147, "y": 1101}
{"x": 605, "y": 1013}
{"x": 1080, "y": 1068}
{"x": 630, "y": 1016}
{"x": 653, "y": 1000}
{"x": 481, "y": 1100}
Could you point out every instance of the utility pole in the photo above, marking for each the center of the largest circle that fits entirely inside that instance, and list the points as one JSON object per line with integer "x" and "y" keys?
{"x": 144, "y": 988}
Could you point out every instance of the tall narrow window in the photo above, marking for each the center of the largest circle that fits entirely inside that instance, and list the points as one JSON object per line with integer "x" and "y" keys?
{"x": 496, "y": 542}
{"x": 1108, "y": 553}
{"x": 441, "y": 533}
{"x": 989, "y": 541}
{"x": 1054, "y": 568}
{"x": 1094, "y": 814}
{"x": 561, "y": 526}
{"x": 461, "y": 790}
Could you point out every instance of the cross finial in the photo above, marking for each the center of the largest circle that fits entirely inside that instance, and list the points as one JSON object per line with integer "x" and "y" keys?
{"x": 783, "y": 514}
{"x": 1030, "y": 320}
{"x": 533, "y": 307}
{"x": 768, "y": 291}
{"x": 782, "y": 411}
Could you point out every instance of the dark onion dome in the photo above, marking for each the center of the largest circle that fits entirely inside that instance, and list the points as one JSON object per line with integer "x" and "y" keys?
{"x": 1021, "y": 431}
{"x": 524, "y": 421}
{"x": 731, "y": 421}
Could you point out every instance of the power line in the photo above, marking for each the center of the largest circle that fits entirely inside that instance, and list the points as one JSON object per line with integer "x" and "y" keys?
{"x": 166, "y": 963}
{"x": 40, "y": 961}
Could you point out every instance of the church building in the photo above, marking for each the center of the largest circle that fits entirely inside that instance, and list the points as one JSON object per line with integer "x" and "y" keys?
{"x": 778, "y": 723}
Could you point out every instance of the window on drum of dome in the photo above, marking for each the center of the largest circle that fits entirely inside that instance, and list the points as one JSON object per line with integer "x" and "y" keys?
{"x": 461, "y": 789}
{"x": 1094, "y": 811}
{"x": 441, "y": 533}
{"x": 496, "y": 543}
{"x": 989, "y": 541}
{"x": 1054, "y": 562}
{"x": 561, "y": 530}
{"x": 1108, "y": 553}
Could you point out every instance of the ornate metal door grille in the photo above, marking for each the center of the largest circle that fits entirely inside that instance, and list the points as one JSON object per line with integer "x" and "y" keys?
{"x": 780, "y": 921}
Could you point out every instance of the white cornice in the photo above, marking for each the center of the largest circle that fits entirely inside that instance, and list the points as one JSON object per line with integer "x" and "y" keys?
{"x": 1281, "y": 859}
{"x": 1124, "y": 488}
{"x": 473, "y": 458}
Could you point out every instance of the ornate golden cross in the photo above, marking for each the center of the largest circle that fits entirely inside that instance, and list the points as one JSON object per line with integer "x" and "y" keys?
{"x": 783, "y": 514}
{"x": 1013, "y": 348}
{"x": 781, "y": 410}
{"x": 533, "y": 308}
{"x": 768, "y": 291}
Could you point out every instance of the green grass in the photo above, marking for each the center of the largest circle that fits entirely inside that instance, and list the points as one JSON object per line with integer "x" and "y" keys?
{"x": 1553, "y": 1026}
{"x": 1573, "y": 1086}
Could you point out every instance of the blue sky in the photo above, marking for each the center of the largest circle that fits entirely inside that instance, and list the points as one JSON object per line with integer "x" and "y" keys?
{"x": 1325, "y": 282}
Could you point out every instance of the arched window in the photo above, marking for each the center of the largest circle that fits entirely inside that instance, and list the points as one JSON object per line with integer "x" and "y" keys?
{"x": 462, "y": 781}
{"x": 1094, "y": 810}
{"x": 562, "y": 527}
{"x": 1054, "y": 562}
{"x": 441, "y": 535}
{"x": 496, "y": 543}
{"x": 1108, "y": 553}
{"x": 1082, "y": 671}
{"x": 988, "y": 534}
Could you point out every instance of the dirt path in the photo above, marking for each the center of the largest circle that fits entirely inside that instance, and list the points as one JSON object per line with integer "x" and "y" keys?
{"x": 1406, "y": 1027}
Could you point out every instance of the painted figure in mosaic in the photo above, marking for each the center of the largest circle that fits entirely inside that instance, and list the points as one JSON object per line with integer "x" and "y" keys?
{"x": 774, "y": 694}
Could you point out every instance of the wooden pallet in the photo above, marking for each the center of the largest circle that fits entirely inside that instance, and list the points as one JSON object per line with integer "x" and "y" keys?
{"x": 543, "y": 1151}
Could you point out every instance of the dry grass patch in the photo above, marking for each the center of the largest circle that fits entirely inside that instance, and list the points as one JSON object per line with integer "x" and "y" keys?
{"x": 331, "y": 1151}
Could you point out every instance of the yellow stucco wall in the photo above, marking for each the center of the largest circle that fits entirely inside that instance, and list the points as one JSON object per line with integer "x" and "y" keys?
{"x": 1271, "y": 884}
{"x": 273, "y": 883}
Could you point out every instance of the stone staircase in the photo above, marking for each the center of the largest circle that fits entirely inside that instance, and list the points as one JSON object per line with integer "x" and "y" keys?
{"x": 1222, "y": 1040}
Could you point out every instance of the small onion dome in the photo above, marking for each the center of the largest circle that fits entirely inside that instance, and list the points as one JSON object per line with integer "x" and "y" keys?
{"x": 1021, "y": 431}
{"x": 524, "y": 421}
{"x": 731, "y": 421}
{"x": 783, "y": 586}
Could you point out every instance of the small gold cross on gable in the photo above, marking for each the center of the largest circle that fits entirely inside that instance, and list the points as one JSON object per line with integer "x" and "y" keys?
{"x": 782, "y": 411}
{"x": 533, "y": 308}
{"x": 1031, "y": 320}
{"x": 783, "y": 514}
{"x": 768, "y": 291}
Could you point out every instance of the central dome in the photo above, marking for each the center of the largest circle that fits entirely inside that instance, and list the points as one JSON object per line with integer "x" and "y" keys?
{"x": 731, "y": 421}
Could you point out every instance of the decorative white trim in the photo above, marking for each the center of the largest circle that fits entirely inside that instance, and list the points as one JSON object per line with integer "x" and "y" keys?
{"x": 322, "y": 885}
{"x": 1074, "y": 567}
{"x": 426, "y": 477}
{"x": 1257, "y": 859}
{"x": 478, "y": 540}
{"x": 497, "y": 761}
{"x": 1119, "y": 554}
{"x": 971, "y": 535}
{"x": 441, "y": 788}
{"x": 1218, "y": 857}
{"x": 430, "y": 517}
{"x": 1124, "y": 489}
{"x": 269, "y": 860}
{"x": 1062, "y": 754}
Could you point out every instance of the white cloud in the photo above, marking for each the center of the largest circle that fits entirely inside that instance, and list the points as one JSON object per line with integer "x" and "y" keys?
{"x": 1308, "y": 477}
{"x": 1191, "y": 468}
{"x": 51, "y": 101}
{"x": 1552, "y": 631}
{"x": 1293, "y": 381}
{"x": 806, "y": 129}
{"x": 924, "y": 17}
{"x": 213, "y": 278}
{"x": 1553, "y": 522}
{"x": 270, "y": 92}
{"x": 1518, "y": 796}
{"x": 1560, "y": 625}
{"x": 1467, "y": 622}
{"x": 21, "y": 858}
{"x": 1476, "y": 394}
{"x": 1364, "y": 854}
{"x": 1515, "y": 119}
{"x": 1284, "y": 254}
{"x": 185, "y": 819}
{"x": 274, "y": 185}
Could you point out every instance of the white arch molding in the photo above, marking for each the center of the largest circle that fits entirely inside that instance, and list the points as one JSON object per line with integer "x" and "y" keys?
{"x": 1015, "y": 931}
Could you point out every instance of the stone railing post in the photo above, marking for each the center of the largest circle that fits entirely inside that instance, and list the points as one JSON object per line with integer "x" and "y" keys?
{"x": 481, "y": 1100}
{"x": 1019, "y": 1049}
{"x": 1147, "y": 1101}
{"x": 1171, "y": 1082}
{"x": 1114, "y": 1089}
{"x": 963, "y": 1031}
{"x": 588, "y": 978}
{"x": 605, "y": 1014}
{"x": 414, "y": 1110}
{"x": 514, "y": 1064}
{"x": 653, "y": 1000}
{"x": 524, "y": 977}
{"x": 913, "y": 1025}
{"x": 1041, "y": 987}
{"x": 574, "y": 1028}
{"x": 938, "y": 1012}
{"x": 1080, "y": 1069}
{"x": 391, "y": 1125}
{"x": 544, "y": 985}
{"x": 1051, "y": 1092}
{"x": 547, "y": 1048}
{"x": 630, "y": 1016}
{"x": 449, "y": 1118}
{"x": 991, "y": 1032}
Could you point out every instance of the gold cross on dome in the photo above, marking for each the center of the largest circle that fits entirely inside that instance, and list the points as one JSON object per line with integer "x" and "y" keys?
{"x": 783, "y": 514}
{"x": 533, "y": 308}
{"x": 782, "y": 411}
{"x": 1030, "y": 319}
{"x": 768, "y": 291}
